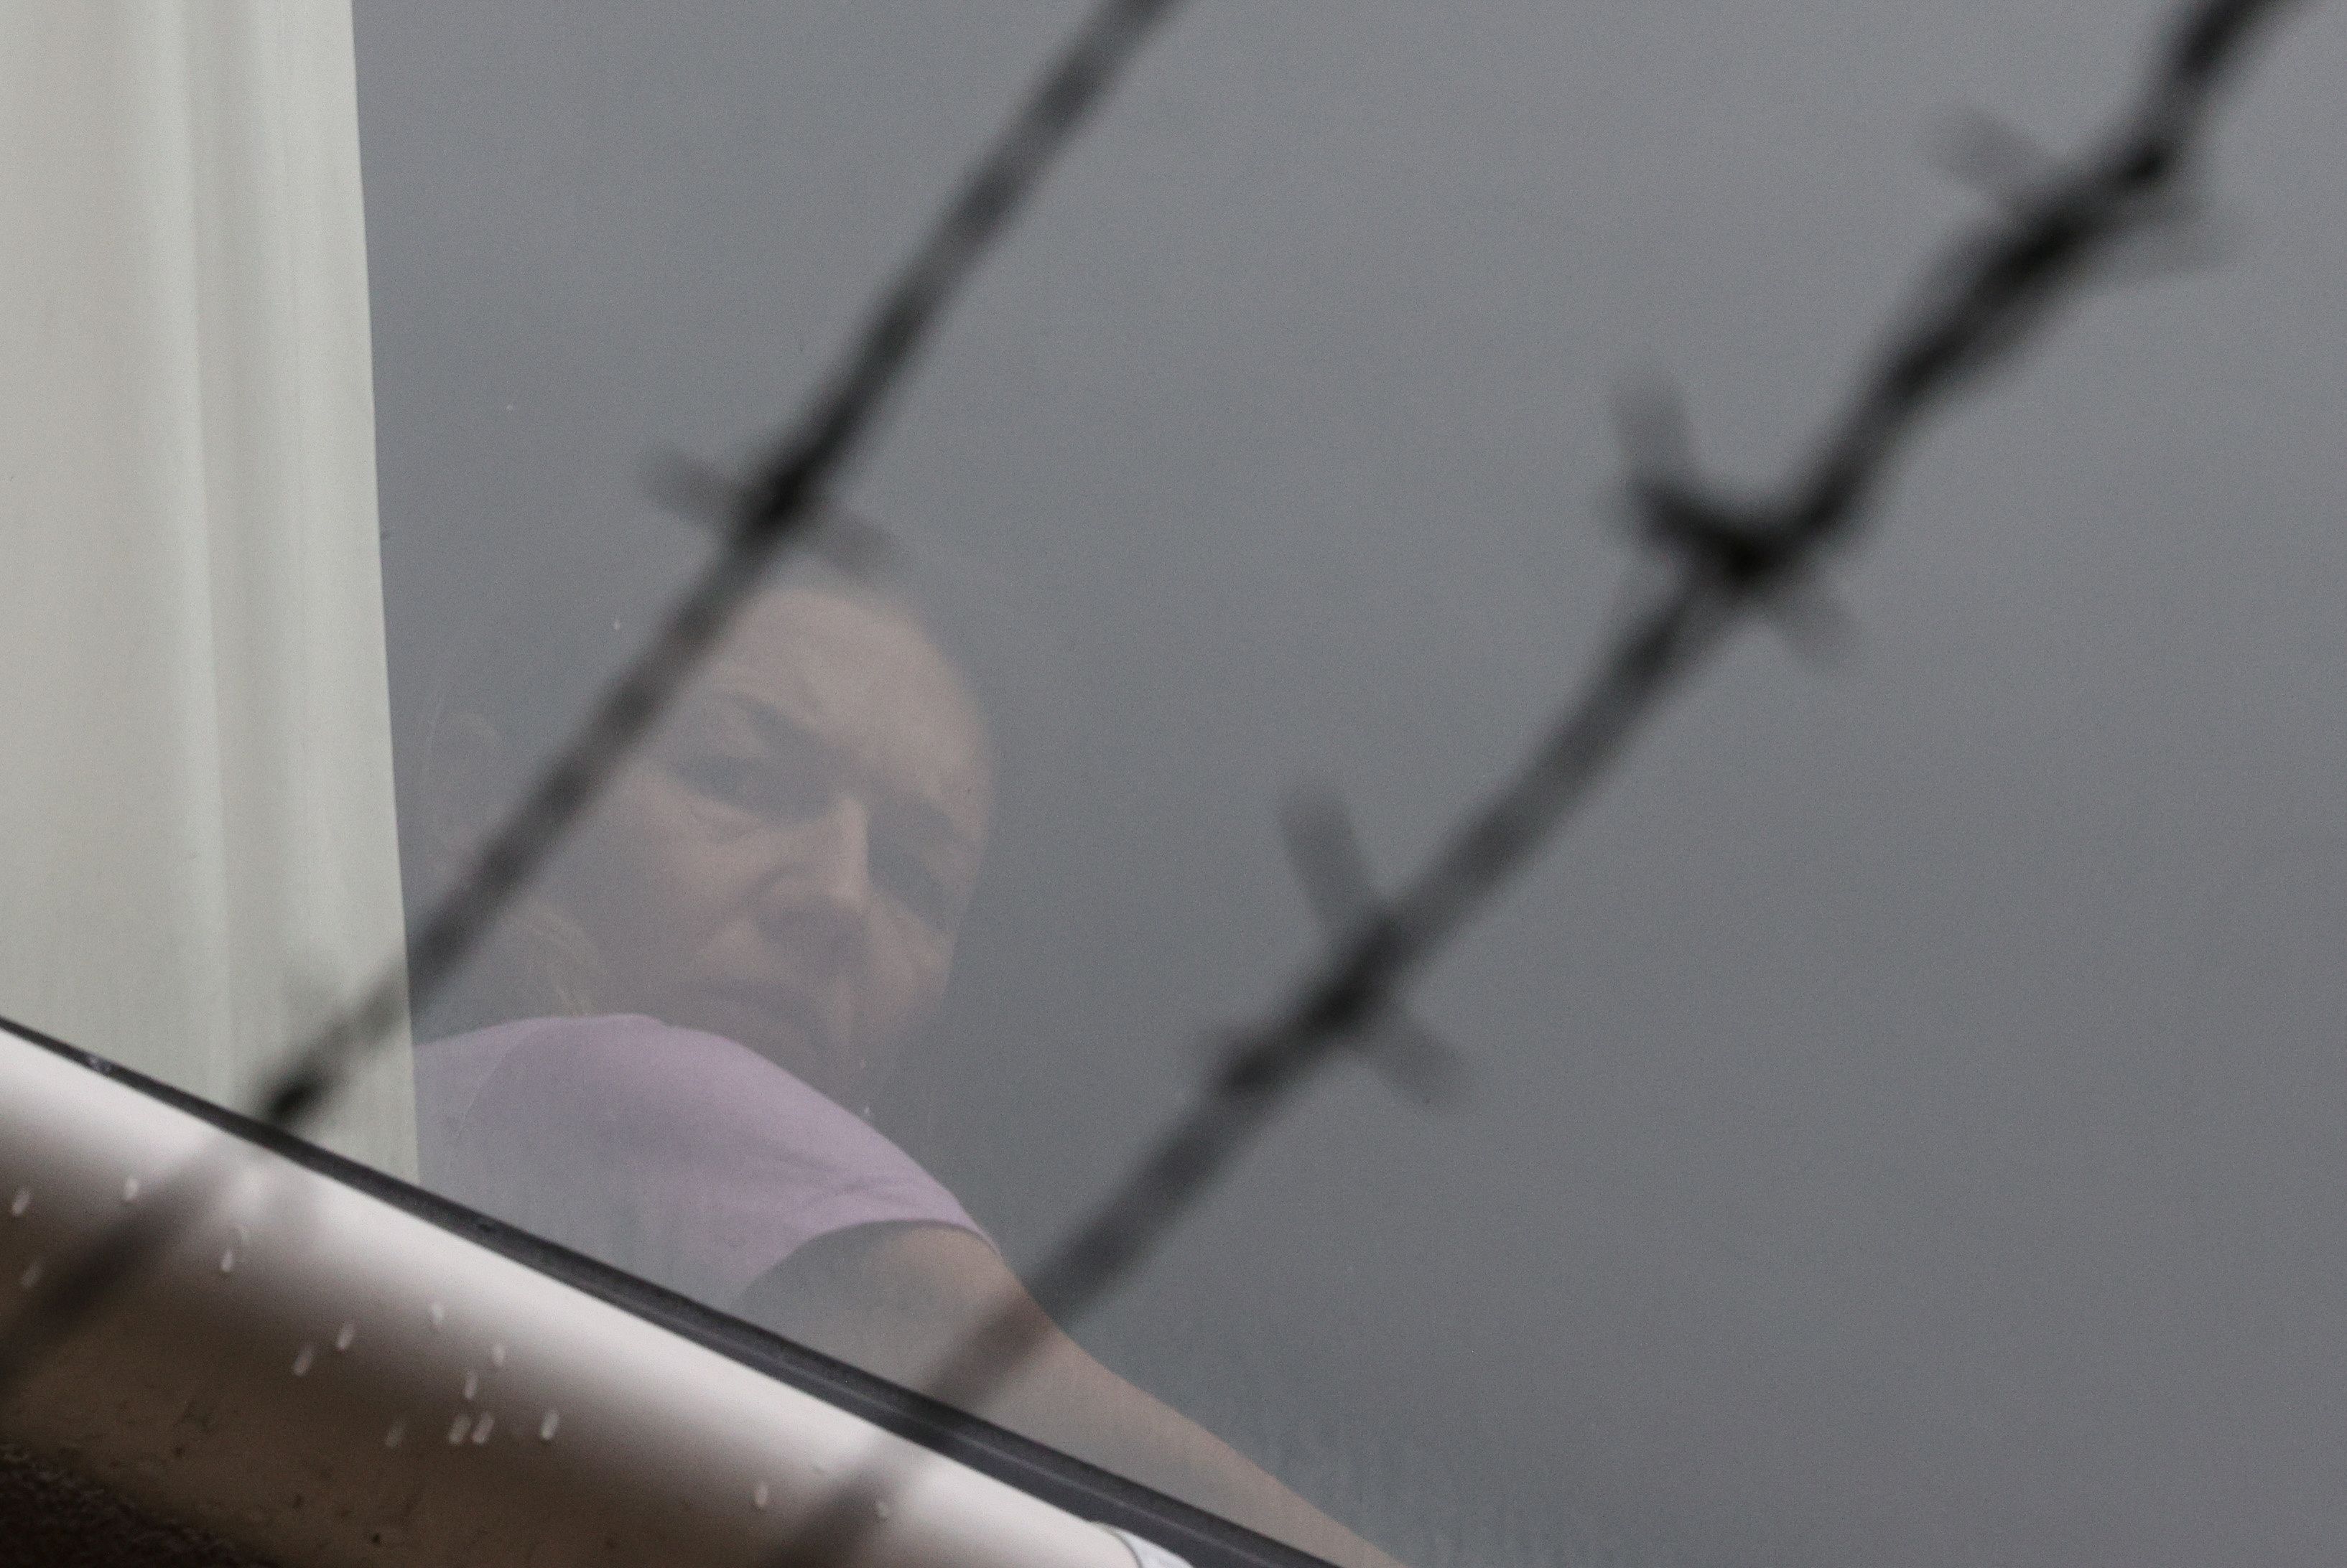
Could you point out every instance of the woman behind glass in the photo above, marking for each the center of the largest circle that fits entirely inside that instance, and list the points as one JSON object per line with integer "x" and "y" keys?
{"x": 675, "y": 1042}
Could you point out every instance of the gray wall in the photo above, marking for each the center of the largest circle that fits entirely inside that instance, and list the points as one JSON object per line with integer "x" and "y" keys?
{"x": 1907, "y": 1109}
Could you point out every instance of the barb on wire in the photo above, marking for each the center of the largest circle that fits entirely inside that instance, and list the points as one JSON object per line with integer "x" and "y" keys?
{"x": 1725, "y": 560}
{"x": 758, "y": 516}
{"x": 1325, "y": 850}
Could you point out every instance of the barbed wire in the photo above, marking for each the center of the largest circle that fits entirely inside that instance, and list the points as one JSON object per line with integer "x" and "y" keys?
{"x": 782, "y": 501}
{"x": 1726, "y": 560}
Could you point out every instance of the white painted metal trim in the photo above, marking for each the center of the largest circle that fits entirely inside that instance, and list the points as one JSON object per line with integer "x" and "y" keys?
{"x": 323, "y": 1378}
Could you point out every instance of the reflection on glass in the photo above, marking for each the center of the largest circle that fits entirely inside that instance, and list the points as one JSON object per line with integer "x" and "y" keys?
{"x": 672, "y": 1053}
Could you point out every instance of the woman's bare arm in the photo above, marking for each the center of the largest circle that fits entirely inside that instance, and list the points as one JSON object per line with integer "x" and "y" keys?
{"x": 896, "y": 1300}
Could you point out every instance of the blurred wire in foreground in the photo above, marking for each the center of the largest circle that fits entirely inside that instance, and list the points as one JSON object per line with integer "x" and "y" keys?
{"x": 759, "y": 517}
{"x": 1724, "y": 559}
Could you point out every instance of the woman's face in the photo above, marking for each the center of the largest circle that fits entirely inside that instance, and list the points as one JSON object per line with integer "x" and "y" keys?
{"x": 787, "y": 866}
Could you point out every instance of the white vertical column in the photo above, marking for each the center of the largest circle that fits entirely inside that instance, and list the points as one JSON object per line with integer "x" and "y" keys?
{"x": 197, "y": 844}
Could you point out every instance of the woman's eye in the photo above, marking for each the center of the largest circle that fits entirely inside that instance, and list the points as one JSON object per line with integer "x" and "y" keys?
{"x": 729, "y": 780}
{"x": 764, "y": 786}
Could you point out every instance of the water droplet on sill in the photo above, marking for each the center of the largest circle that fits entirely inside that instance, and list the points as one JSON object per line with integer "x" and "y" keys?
{"x": 32, "y": 1275}
{"x": 20, "y": 1203}
{"x": 549, "y": 1426}
{"x": 439, "y": 1314}
{"x": 396, "y": 1435}
{"x": 759, "y": 1496}
{"x": 344, "y": 1335}
{"x": 472, "y": 1385}
{"x": 302, "y": 1358}
{"x": 482, "y": 1428}
{"x": 458, "y": 1429}
{"x": 498, "y": 1354}
{"x": 131, "y": 1189}
{"x": 228, "y": 1261}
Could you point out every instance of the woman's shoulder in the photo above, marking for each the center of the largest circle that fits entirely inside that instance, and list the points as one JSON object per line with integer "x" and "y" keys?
{"x": 588, "y": 1123}
{"x": 601, "y": 1042}
{"x": 613, "y": 1066}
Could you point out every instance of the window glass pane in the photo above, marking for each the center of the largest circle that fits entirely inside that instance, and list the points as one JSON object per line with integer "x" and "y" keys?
{"x": 1898, "y": 1086}
{"x": 1898, "y": 1112}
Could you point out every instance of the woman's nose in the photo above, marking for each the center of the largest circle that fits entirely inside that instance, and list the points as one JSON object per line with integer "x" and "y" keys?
{"x": 825, "y": 867}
